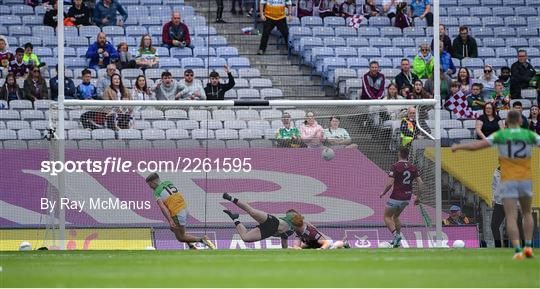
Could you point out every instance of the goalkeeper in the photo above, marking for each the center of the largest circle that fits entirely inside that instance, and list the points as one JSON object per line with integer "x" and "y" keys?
{"x": 309, "y": 237}
{"x": 174, "y": 208}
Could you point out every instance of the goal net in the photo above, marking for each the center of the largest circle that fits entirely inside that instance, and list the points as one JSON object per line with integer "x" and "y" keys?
{"x": 274, "y": 156}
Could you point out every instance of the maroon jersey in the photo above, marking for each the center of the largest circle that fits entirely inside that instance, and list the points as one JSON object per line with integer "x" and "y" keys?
{"x": 404, "y": 173}
{"x": 310, "y": 236}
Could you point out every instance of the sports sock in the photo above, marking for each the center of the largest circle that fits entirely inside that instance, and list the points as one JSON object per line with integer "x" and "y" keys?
{"x": 518, "y": 249}
{"x": 528, "y": 243}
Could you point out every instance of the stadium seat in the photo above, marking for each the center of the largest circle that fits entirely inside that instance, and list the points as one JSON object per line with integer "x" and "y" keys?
{"x": 201, "y": 134}
{"x": 211, "y": 124}
{"x": 15, "y": 145}
{"x": 139, "y": 144}
{"x": 260, "y": 143}
{"x": 79, "y": 134}
{"x": 226, "y": 134}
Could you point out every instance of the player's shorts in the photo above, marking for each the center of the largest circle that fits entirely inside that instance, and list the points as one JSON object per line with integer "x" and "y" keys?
{"x": 180, "y": 219}
{"x": 396, "y": 204}
{"x": 269, "y": 227}
{"x": 516, "y": 189}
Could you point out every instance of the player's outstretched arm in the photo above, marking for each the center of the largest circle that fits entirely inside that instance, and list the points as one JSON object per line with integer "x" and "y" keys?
{"x": 165, "y": 213}
{"x": 472, "y": 146}
{"x": 325, "y": 244}
{"x": 389, "y": 185}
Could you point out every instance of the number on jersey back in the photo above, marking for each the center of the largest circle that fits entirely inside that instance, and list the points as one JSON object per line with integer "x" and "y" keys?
{"x": 404, "y": 174}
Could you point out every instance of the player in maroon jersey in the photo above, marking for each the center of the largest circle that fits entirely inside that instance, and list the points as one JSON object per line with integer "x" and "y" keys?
{"x": 401, "y": 179}
{"x": 309, "y": 237}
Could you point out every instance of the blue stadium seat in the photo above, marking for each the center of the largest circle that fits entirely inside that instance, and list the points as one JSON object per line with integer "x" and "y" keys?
{"x": 227, "y": 51}
{"x": 525, "y": 11}
{"x": 402, "y": 42}
{"x": 390, "y": 32}
{"x": 382, "y": 21}
{"x": 532, "y": 51}
{"x": 311, "y": 21}
{"x": 204, "y": 31}
{"x": 5, "y": 10}
{"x": 176, "y": 52}
{"x": 170, "y": 62}
{"x": 43, "y": 52}
{"x": 77, "y": 41}
{"x": 334, "y": 21}
{"x": 68, "y": 52}
{"x": 345, "y": 52}
{"x": 470, "y": 21}
{"x": 516, "y": 42}
{"x": 217, "y": 41}
{"x": 414, "y": 32}
{"x": 357, "y": 42}
{"x": 76, "y": 62}
{"x": 369, "y": 52}
{"x": 345, "y": 32}
{"x": 19, "y": 30}
{"x": 506, "y": 52}
{"x": 457, "y": 11}
{"x": 369, "y": 31}
{"x": 533, "y": 21}
{"x": 528, "y": 32}
{"x": 504, "y": 31}
{"x": 357, "y": 63}
{"x": 334, "y": 41}
{"x": 391, "y": 52}
{"x": 380, "y": 42}
{"x": 515, "y": 21}
{"x": 502, "y": 11}
{"x": 10, "y": 20}
{"x": 204, "y": 52}
{"x": 316, "y": 54}
{"x": 482, "y": 32}
{"x": 514, "y": 2}
{"x": 161, "y": 11}
{"x": 534, "y": 42}
{"x": 485, "y": 52}
{"x": 150, "y": 20}
{"x": 192, "y": 62}
{"x": 216, "y": 62}
{"x": 322, "y": 31}
{"x": 238, "y": 62}
{"x": 35, "y": 40}
{"x": 137, "y": 11}
{"x": 136, "y": 31}
{"x": 472, "y": 63}
{"x": 22, "y": 10}
{"x": 197, "y": 41}
{"x": 383, "y": 62}
{"x": 494, "y": 42}
{"x": 480, "y": 11}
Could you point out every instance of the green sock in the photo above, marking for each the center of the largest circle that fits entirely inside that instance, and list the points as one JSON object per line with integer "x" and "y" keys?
{"x": 518, "y": 249}
{"x": 528, "y": 243}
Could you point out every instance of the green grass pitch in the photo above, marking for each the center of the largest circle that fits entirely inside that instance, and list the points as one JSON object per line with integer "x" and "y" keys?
{"x": 270, "y": 268}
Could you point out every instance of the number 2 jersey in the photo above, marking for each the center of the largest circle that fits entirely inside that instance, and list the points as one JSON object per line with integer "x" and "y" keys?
{"x": 171, "y": 197}
{"x": 515, "y": 152}
{"x": 404, "y": 173}
{"x": 311, "y": 236}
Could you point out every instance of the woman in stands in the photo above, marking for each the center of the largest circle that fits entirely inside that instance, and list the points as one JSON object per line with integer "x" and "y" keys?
{"x": 423, "y": 62}
{"x": 369, "y": 9}
{"x": 336, "y": 136}
{"x": 35, "y": 86}
{"x": 465, "y": 80}
{"x": 11, "y": 90}
{"x": 534, "y": 119}
{"x": 126, "y": 60}
{"x": 311, "y": 132}
{"x": 141, "y": 91}
{"x": 488, "y": 123}
{"x": 488, "y": 78}
{"x": 147, "y": 56}
{"x": 119, "y": 117}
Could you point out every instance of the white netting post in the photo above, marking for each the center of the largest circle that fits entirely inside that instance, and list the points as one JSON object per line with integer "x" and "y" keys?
{"x": 437, "y": 95}
{"x": 60, "y": 129}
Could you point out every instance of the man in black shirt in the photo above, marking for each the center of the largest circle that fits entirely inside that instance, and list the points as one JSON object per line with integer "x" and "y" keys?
{"x": 214, "y": 89}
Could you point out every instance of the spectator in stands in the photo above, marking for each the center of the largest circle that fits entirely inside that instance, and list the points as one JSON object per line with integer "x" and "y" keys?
{"x": 17, "y": 66}
{"x": 5, "y": 54}
{"x": 240, "y": 8}
{"x": 35, "y": 86}
{"x": 456, "y": 218}
{"x": 105, "y": 13}
{"x": 193, "y": 87}
{"x": 447, "y": 65}
{"x": 390, "y": 7}
{"x": 518, "y": 106}
{"x": 337, "y": 137}
{"x": 215, "y": 90}
{"x": 392, "y": 92}
{"x": 465, "y": 80}
{"x": 488, "y": 123}
{"x": 475, "y": 100}
{"x": 500, "y": 97}
{"x": 11, "y": 90}
{"x": 445, "y": 39}
{"x": 116, "y": 91}
{"x": 79, "y": 14}
{"x": 29, "y": 57}
{"x": 394, "y": 112}
{"x": 422, "y": 9}
{"x": 488, "y": 78}
{"x": 147, "y": 56}
{"x": 347, "y": 9}
{"x": 167, "y": 88}
{"x": 534, "y": 119}
{"x": 446, "y": 82}
{"x": 423, "y": 62}
{"x": 274, "y": 15}
{"x": 51, "y": 16}
{"x": 105, "y": 81}
{"x": 405, "y": 91}
{"x": 69, "y": 87}
{"x": 327, "y": 8}
{"x": 373, "y": 82}
{"x": 86, "y": 90}
{"x": 465, "y": 45}
{"x": 370, "y": 9}
{"x": 35, "y": 3}
{"x": 288, "y": 136}
{"x": 408, "y": 128}
{"x": 101, "y": 53}
{"x": 175, "y": 33}
{"x": 311, "y": 132}
{"x": 402, "y": 16}
{"x": 454, "y": 93}
{"x": 522, "y": 73}
{"x": 141, "y": 91}
{"x": 419, "y": 92}
{"x": 505, "y": 77}
{"x": 125, "y": 59}
{"x": 219, "y": 12}
{"x": 405, "y": 77}
{"x": 305, "y": 8}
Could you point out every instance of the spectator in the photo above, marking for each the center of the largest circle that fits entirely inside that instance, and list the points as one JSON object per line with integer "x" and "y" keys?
{"x": 240, "y": 8}
{"x": 141, "y": 91}
{"x": 447, "y": 65}
{"x": 51, "y": 16}
{"x": 488, "y": 123}
{"x": 488, "y": 78}
{"x": 125, "y": 60}
{"x": 79, "y": 14}
{"x": 373, "y": 82}
{"x": 29, "y": 57}
{"x": 167, "y": 88}
{"x": 419, "y": 92}
{"x": 105, "y": 81}
{"x": 175, "y": 33}
{"x": 408, "y": 127}
{"x": 69, "y": 87}
{"x": 390, "y": 7}
{"x": 311, "y": 132}
{"x": 505, "y": 77}
{"x": 338, "y": 137}
{"x": 446, "y": 82}
{"x": 327, "y": 8}
{"x": 475, "y": 100}
{"x": 422, "y": 9}
{"x": 101, "y": 53}
{"x": 86, "y": 90}
{"x": 405, "y": 91}
{"x": 423, "y": 62}
{"x": 455, "y": 92}
{"x": 522, "y": 73}
{"x": 456, "y": 218}
{"x": 443, "y": 38}
{"x": 147, "y": 56}
{"x": 464, "y": 45}
{"x": 402, "y": 16}
{"x": 534, "y": 119}
{"x": 17, "y": 66}
{"x": 5, "y": 54}
{"x": 35, "y": 86}
{"x": 11, "y": 90}
{"x": 405, "y": 77}
{"x": 500, "y": 97}
{"x": 465, "y": 80}
{"x": 394, "y": 112}
{"x": 305, "y": 8}
{"x": 288, "y": 136}
{"x": 214, "y": 90}
{"x": 518, "y": 106}
{"x": 105, "y": 13}
{"x": 347, "y": 9}
{"x": 219, "y": 12}
{"x": 35, "y": 3}
{"x": 193, "y": 87}
{"x": 274, "y": 15}
{"x": 116, "y": 91}
{"x": 369, "y": 9}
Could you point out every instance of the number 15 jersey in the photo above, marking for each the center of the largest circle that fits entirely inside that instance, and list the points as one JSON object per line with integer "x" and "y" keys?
{"x": 171, "y": 197}
{"x": 404, "y": 173}
{"x": 515, "y": 152}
